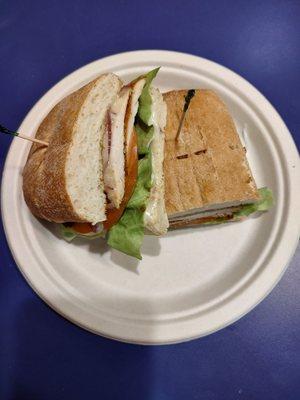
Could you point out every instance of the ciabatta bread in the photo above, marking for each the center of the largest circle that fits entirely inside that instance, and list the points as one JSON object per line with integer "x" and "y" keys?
{"x": 206, "y": 168}
{"x": 64, "y": 181}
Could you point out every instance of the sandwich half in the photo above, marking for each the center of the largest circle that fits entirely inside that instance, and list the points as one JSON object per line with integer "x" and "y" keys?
{"x": 207, "y": 175}
{"x": 102, "y": 172}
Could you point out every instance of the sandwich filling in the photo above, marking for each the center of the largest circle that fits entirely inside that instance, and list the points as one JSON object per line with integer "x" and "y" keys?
{"x": 145, "y": 204}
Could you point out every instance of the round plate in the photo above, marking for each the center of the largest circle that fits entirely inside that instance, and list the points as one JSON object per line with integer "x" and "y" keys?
{"x": 191, "y": 282}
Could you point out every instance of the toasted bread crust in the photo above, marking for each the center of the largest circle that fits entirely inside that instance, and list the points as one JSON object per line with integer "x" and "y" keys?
{"x": 44, "y": 180}
{"x": 207, "y": 164}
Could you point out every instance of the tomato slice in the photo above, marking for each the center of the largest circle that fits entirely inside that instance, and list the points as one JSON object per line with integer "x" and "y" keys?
{"x": 82, "y": 227}
{"x": 131, "y": 168}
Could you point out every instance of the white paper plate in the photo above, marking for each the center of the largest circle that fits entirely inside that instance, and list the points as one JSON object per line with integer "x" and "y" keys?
{"x": 190, "y": 283}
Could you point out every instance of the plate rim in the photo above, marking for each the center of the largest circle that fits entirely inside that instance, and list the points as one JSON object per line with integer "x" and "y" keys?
{"x": 147, "y": 55}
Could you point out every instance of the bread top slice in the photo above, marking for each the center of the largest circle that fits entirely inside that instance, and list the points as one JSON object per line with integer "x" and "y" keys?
{"x": 206, "y": 168}
{"x": 64, "y": 181}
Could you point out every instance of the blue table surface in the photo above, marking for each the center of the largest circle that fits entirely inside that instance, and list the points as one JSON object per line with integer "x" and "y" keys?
{"x": 42, "y": 355}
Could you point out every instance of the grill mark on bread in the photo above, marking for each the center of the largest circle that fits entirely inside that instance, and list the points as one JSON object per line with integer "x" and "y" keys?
{"x": 182, "y": 156}
{"x": 197, "y": 153}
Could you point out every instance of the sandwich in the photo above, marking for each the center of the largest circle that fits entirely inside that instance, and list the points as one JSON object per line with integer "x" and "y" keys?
{"x": 207, "y": 176}
{"x": 102, "y": 171}
{"x": 116, "y": 168}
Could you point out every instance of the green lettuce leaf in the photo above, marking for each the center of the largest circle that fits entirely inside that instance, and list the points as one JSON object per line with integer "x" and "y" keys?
{"x": 145, "y": 101}
{"x": 127, "y": 235}
{"x": 69, "y": 234}
{"x": 141, "y": 192}
{"x": 144, "y": 137}
{"x": 264, "y": 204}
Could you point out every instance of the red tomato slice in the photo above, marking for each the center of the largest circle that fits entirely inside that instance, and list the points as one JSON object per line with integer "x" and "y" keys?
{"x": 84, "y": 227}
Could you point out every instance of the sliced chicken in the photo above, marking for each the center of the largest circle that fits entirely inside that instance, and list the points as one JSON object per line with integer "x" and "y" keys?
{"x": 131, "y": 156}
{"x": 113, "y": 150}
